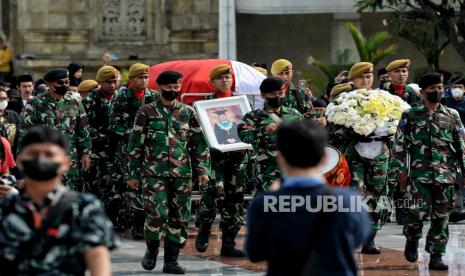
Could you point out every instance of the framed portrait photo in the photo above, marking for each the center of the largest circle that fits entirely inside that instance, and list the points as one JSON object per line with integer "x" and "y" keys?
{"x": 219, "y": 119}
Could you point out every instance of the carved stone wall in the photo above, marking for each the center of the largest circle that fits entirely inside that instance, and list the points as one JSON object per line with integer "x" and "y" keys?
{"x": 57, "y": 32}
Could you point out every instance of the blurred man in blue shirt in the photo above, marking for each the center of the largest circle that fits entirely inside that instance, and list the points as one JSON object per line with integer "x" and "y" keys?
{"x": 291, "y": 228}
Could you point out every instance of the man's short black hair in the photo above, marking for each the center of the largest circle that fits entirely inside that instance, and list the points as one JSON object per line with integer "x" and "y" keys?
{"x": 44, "y": 134}
{"x": 302, "y": 143}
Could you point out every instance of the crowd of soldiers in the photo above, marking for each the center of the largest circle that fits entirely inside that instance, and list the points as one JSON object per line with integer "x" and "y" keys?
{"x": 141, "y": 151}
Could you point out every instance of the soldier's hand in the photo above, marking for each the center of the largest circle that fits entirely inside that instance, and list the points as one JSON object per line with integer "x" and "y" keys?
{"x": 86, "y": 162}
{"x": 271, "y": 128}
{"x": 220, "y": 192}
{"x": 203, "y": 179}
{"x": 321, "y": 121}
{"x": 276, "y": 185}
{"x": 4, "y": 189}
{"x": 133, "y": 183}
{"x": 402, "y": 178}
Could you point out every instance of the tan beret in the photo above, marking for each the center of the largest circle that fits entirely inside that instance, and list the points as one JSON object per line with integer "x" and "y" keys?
{"x": 261, "y": 70}
{"x": 280, "y": 65}
{"x": 106, "y": 73}
{"x": 399, "y": 63}
{"x": 219, "y": 70}
{"x": 339, "y": 88}
{"x": 137, "y": 69}
{"x": 87, "y": 85}
{"x": 359, "y": 69}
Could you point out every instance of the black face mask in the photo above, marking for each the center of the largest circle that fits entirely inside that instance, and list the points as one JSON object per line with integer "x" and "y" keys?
{"x": 434, "y": 97}
{"x": 169, "y": 95}
{"x": 41, "y": 90}
{"x": 40, "y": 169}
{"x": 61, "y": 90}
{"x": 275, "y": 102}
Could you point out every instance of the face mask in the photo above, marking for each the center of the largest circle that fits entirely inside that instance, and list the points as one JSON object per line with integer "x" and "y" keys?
{"x": 77, "y": 96}
{"x": 274, "y": 102}
{"x": 457, "y": 92}
{"x": 40, "y": 90}
{"x": 61, "y": 90}
{"x": 40, "y": 169}
{"x": 3, "y": 105}
{"x": 434, "y": 97}
{"x": 169, "y": 95}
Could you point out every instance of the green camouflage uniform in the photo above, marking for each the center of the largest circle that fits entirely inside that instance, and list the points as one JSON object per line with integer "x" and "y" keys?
{"x": 68, "y": 116}
{"x": 434, "y": 144}
{"x": 408, "y": 95}
{"x": 59, "y": 250}
{"x": 123, "y": 108}
{"x": 411, "y": 97}
{"x": 97, "y": 178}
{"x": 297, "y": 98}
{"x": 166, "y": 145}
{"x": 252, "y": 131}
{"x": 225, "y": 191}
{"x": 367, "y": 175}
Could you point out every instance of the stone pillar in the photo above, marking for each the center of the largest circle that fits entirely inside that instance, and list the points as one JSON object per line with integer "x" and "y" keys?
{"x": 227, "y": 29}
{"x": 341, "y": 38}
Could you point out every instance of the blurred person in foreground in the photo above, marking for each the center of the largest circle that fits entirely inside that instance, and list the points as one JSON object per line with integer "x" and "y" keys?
{"x": 47, "y": 229}
{"x": 305, "y": 241}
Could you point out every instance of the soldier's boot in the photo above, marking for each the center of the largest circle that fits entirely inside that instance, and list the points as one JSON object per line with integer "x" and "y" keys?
{"x": 411, "y": 250}
{"x": 138, "y": 221}
{"x": 228, "y": 245}
{"x": 113, "y": 209}
{"x": 201, "y": 241}
{"x": 369, "y": 247}
{"x": 171, "y": 265}
{"x": 456, "y": 215}
{"x": 436, "y": 262}
{"x": 150, "y": 258}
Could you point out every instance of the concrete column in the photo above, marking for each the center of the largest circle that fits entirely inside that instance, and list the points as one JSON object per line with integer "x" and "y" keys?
{"x": 341, "y": 37}
{"x": 227, "y": 29}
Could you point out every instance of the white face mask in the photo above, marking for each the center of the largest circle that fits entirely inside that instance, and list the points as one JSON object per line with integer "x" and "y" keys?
{"x": 457, "y": 92}
{"x": 3, "y": 105}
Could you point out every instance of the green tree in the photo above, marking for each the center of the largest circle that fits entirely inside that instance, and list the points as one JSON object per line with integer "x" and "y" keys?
{"x": 423, "y": 33}
{"x": 371, "y": 49}
{"x": 446, "y": 15}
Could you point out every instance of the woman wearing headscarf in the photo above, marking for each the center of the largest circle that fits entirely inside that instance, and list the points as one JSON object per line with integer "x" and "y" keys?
{"x": 75, "y": 72}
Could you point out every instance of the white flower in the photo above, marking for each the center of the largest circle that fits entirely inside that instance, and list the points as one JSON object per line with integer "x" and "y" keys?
{"x": 365, "y": 110}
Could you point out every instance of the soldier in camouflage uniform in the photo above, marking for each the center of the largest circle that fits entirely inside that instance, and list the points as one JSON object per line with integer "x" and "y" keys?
{"x": 60, "y": 110}
{"x": 369, "y": 174}
{"x": 259, "y": 129}
{"x": 46, "y": 229}
{"x": 97, "y": 106}
{"x": 398, "y": 71}
{"x": 225, "y": 191}
{"x": 166, "y": 146}
{"x": 295, "y": 97}
{"x": 123, "y": 108}
{"x": 428, "y": 154}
